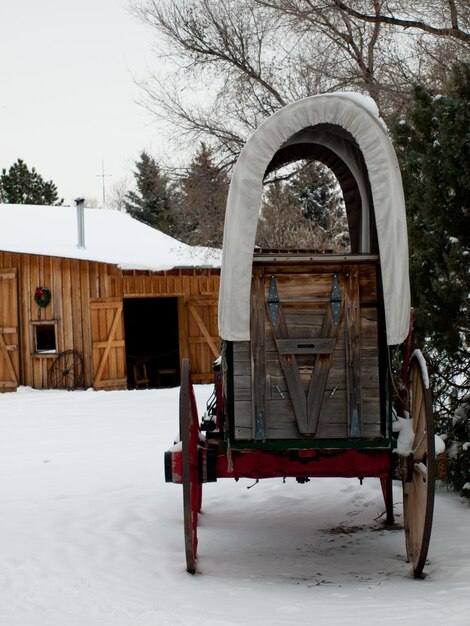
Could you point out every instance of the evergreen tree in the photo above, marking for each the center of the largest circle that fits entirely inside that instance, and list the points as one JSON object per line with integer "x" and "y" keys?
{"x": 433, "y": 147}
{"x": 305, "y": 211}
{"x": 317, "y": 189}
{"x": 200, "y": 211}
{"x": 21, "y": 185}
{"x": 150, "y": 204}
{"x": 281, "y": 223}
{"x": 434, "y": 152}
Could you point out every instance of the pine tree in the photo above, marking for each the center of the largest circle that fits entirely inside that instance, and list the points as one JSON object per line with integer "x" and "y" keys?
{"x": 23, "y": 186}
{"x": 305, "y": 211}
{"x": 317, "y": 189}
{"x": 200, "y": 211}
{"x": 150, "y": 204}
{"x": 433, "y": 147}
{"x": 281, "y": 223}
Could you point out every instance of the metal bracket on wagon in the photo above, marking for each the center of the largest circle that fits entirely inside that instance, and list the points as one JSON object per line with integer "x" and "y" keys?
{"x": 207, "y": 465}
{"x": 335, "y": 300}
{"x": 273, "y": 301}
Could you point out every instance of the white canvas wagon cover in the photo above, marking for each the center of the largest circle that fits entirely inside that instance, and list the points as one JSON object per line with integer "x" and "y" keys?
{"x": 356, "y": 117}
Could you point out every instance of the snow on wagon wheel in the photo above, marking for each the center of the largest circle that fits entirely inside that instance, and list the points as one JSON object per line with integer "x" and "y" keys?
{"x": 420, "y": 471}
{"x": 192, "y": 487}
{"x": 66, "y": 371}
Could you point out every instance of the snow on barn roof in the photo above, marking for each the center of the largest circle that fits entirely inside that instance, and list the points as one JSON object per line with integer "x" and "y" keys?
{"x": 110, "y": 237}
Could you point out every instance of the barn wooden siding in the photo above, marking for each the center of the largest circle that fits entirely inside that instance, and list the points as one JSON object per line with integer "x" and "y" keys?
{"x": 87, "y": 309}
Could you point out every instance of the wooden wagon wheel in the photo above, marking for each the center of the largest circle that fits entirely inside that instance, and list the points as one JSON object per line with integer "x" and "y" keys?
{"x": 192, "y": 488}
{"x": 66, "y": 371}
{"x": 419, "y": 475}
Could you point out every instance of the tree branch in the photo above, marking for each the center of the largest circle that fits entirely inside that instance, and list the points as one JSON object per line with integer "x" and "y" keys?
{"x": 454, "y": 31}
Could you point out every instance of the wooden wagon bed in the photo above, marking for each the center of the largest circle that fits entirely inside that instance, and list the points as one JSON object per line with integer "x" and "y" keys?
{"x": 312, "y": 368}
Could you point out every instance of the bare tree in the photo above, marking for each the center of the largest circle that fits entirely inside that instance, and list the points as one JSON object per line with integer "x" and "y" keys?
{"x": 118, "y": 193}
{"x": 92, "y": 203}
{"x": 439, "y": 18}
{"x": 223, "y": 51}
{"x": 234, "y": 62}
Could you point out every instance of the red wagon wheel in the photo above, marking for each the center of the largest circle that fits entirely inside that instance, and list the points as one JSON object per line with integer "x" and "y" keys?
{"x": 192, "y": 488}
{"x": 420, "y": 473}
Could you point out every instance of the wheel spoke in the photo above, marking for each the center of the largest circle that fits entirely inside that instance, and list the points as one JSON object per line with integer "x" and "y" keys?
{"x": 66, "y": 371}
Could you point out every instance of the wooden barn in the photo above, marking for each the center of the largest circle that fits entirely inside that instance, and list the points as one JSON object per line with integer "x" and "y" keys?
{"x": 113, "y": 305}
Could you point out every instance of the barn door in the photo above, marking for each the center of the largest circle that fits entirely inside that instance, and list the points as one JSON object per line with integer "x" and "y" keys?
{"x": 203, "y": 337}
{"x": 9, "y": 338}
{"x": 108, "y": 345}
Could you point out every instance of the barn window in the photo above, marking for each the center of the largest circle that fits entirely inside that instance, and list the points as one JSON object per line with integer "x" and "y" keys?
{"x": 45, "y": 337}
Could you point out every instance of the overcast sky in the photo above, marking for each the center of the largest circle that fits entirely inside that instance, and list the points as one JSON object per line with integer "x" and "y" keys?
{"x": 68, "y": 96}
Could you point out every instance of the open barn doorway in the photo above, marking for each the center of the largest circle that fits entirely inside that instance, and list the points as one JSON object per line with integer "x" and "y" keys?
{"x": 152, "y": 342}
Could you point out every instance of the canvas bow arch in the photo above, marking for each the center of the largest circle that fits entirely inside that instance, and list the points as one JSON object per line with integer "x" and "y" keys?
{"x": 347, "y": 125}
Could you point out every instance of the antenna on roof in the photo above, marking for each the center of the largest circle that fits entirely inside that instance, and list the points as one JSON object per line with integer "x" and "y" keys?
{"x": 103, "y": 176}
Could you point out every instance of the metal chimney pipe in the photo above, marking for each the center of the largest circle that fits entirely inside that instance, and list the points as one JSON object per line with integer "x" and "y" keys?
{"x": 80, "y": 202}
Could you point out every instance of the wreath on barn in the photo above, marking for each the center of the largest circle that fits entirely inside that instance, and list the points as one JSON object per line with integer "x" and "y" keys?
{"x": 42, "y": 296}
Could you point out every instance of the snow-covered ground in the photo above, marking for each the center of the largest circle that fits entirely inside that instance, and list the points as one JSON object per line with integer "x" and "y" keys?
{"x": 90, "y": 534}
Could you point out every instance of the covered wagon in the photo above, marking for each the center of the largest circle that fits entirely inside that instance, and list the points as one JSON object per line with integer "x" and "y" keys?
{"x": 304, "y": 384}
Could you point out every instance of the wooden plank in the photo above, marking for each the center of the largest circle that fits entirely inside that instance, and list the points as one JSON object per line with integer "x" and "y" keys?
{"x": 57, "y": 298}
{"x": 9, "y": 322}
{"x": 26, "y": 332}
{"x": 183, "y": 329}
{"x": 320, "y": 373}
{"x": 7, "y": 274}
{"x": 368, "y": 283}
{"x": 353, "y": 350}
{"x": 117, "y": 383}
{"x": 107, "y": 304}
{"x": 35, "y": 311}
{"x": 241, "y": 351}
{"x": 116, "y": 343}
{"x": 258, "y": 356}
{"x": 67, "y": 320}
{"x": 110, "y": 369}
{"x": 86, "y": 322}
{"x": 244, "y": 415}
{"x": 195, "y": 314}
{"x": 243, "y": 433}
{"x": 289, "y": 367}
{"x": 202, "y": 340}
{"x": 199, "y": 301}
{"x": 8, "y": 361}
{"x": 77, "y": 312}
{"x": 241, "y": 393}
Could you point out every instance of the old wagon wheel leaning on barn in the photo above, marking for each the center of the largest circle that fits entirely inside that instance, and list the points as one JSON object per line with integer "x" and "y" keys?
{"x": 190, "y": 474}
{"x": 67, "y": 371}
{"x": 419, "y": 467}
